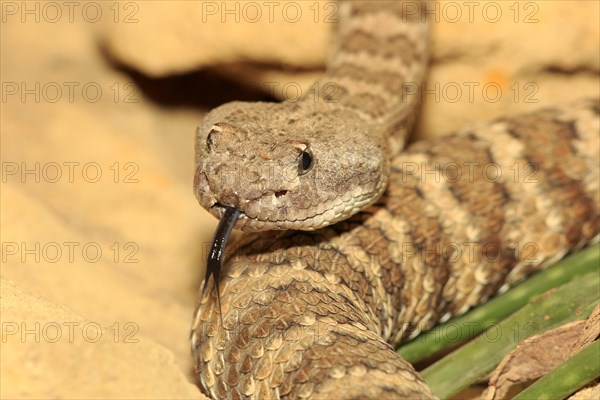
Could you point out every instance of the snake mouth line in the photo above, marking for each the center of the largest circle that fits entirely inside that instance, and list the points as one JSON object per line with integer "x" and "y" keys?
{"x": 243, "y": 221}
{"x": 254, "y": 224}
{"x": 219, "y": 209}
{"x": 332, "y": 214}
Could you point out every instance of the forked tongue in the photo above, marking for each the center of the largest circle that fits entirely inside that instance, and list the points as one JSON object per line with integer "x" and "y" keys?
{"x": 217, "y": 250}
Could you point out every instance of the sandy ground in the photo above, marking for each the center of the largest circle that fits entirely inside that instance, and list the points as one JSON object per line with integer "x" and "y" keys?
{"x": 103, "y": 243}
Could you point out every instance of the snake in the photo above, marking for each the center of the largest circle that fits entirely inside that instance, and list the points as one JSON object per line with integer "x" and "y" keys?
{"x": 356, "y": 242}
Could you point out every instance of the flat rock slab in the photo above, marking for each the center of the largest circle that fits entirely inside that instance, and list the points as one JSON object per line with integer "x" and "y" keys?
{"x": 489, "y": 58}
{"x": 51, "y": 352}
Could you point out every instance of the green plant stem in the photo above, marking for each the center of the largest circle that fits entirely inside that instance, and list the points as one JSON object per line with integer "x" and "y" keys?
{"x": 470, "y": 363}
{"x": 567, "y": 378}
{"x": 461, "y": 329}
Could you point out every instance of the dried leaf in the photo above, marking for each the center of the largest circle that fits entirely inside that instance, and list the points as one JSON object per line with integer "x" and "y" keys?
{"x": 587, "y": 393}
{"x": 533, "y": 358}
{"x": 589, "y": 333}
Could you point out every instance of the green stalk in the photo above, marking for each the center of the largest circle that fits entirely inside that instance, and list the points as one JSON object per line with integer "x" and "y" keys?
{"x": 567, "y": 378}
{"x": 461, "y": 329}
{"x": 473, "y": 361}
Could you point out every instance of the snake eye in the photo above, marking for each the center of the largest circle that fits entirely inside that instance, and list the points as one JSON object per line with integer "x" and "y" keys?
{"x": 305, "y": 161}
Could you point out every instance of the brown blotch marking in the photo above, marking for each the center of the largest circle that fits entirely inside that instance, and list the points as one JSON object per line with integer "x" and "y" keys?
{"x": 389, "y": 81}
{"x": 333, "y": 96}
{"x": 354, "y": 277}
{"x": 487, "y": 210}
{"x": 242, "y": 339}
{"x": 319, "y": 374}
{"x": 250, "y": 316}
{"x": 262, "y": 330}
{"x": 407, "y": 205}
{"x": 483, "y": 197}
{"x": 413, "y": 11}
{"x": 233, "y": 377}
{"x": 286, "y": 386}
{"x": 398, "y": 46}
{"x": 302, "y": 375}
{"x": 222, "y": 388}
{"x": 232, "y": 355}
{"x": 373, "y": 105}
{"x": 549, "y": 147}
{"x": 333, "y": 260}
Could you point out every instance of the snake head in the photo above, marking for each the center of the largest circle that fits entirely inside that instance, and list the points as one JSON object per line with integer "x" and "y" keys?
{"x": 288, "y": 165}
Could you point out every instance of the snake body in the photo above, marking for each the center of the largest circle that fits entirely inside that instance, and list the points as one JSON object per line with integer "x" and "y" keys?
{"x": 315, "y": 314}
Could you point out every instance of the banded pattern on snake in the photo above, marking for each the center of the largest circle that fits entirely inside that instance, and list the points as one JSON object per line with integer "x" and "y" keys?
{"x": 314, "y": 314}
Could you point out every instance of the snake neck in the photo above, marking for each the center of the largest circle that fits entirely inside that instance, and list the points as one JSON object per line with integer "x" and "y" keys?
{"x": 376, "y": 66}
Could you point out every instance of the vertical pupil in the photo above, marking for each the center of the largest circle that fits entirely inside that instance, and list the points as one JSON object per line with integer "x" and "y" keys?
{"x": 306, "y": 160}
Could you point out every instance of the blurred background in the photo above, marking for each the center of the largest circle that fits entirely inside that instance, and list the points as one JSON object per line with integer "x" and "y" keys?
{"x": 103, "y": 242}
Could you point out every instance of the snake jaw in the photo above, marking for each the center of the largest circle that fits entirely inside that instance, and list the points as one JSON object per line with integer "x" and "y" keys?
{"x": 332, "y": 212}
{"x": 243, "y": 220}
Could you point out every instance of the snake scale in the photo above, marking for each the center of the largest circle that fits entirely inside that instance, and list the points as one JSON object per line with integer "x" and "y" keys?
{"x": 314, "y": 313}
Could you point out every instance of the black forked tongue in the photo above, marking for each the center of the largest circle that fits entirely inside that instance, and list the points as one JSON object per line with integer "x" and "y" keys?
{"x": 217, "y": 250}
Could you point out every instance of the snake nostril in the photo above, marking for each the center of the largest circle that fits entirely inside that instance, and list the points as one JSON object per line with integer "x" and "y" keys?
{"x": 280, "y": 193}
{"x": 210, "y": 140}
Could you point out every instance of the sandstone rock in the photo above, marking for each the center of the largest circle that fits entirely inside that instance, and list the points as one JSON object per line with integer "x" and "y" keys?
{"x": 50, "y": 352}
{"x": 504, "y": 58}
{"x": 488, "y": 58}
{"x": 109, "y": 178}
{"x": 187, "y": 35}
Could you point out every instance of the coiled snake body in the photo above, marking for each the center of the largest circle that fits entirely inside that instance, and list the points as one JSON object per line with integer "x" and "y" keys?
{"x": 315, "y": 314}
